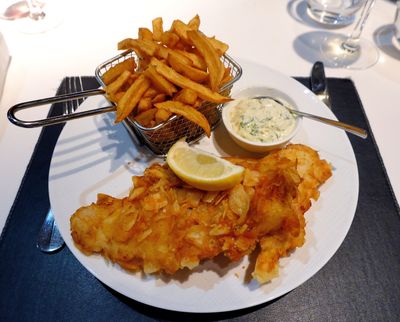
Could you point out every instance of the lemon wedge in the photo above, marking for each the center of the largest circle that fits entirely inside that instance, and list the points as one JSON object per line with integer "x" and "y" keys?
{"x": 201, "y": 169}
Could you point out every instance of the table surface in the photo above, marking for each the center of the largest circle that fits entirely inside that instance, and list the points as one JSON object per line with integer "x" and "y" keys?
{"x": 277, "y": 34}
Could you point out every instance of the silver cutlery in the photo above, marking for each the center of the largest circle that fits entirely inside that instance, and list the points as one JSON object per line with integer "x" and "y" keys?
{"x": 319, "y": 84}
{"x": 49, "y": 238}
{"x": 347, "y": 127}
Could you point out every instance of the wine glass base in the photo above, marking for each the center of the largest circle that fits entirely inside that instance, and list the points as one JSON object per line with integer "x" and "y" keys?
{"x": 52, "y": 19}
{"x": 337, "y": 56}
{"x": 15, "y": 11}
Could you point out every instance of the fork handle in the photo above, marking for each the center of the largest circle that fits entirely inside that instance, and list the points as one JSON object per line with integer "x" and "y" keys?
{"x": 347, "y": 127}
{"x": 49, "y": 238}
{"x": 11, "y": 114}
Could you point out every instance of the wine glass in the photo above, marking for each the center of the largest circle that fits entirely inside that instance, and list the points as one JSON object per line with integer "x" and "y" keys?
{"x": 33, "y": 16}
{"x": 352, "y": 52}
{"x": 11, "y": 10}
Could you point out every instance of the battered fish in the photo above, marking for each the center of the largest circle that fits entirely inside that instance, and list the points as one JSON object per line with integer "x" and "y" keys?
{"x": 164, "y": 225}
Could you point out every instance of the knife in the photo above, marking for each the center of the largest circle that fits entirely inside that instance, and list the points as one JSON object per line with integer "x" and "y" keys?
{"x": 318, "y": 83}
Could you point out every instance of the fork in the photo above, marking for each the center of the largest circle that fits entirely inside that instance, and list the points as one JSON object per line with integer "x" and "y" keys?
{"x": 49, "y": 238}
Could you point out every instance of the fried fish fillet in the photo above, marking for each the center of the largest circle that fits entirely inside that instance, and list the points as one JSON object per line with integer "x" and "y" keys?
{"x": 164, "y": 225}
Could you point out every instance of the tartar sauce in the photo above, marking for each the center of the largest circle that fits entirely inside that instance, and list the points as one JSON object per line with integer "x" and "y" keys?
{"x": 261, "y": 120}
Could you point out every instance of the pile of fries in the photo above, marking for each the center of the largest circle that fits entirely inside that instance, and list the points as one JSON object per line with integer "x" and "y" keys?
{"x": 177, "y": 71}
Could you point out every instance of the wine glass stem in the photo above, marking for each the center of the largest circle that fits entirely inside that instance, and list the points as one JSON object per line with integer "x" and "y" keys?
{"x": 352, "y": 42}
{"x": 35, "y": 10}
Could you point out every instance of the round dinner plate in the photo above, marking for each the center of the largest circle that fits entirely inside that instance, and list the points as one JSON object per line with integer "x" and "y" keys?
{"x": 94, "y": 156}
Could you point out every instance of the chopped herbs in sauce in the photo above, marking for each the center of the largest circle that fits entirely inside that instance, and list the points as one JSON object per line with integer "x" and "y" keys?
{"x": 262, "y": 120}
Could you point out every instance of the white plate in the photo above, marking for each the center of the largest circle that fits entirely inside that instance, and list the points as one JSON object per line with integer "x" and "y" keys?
{"x": 93, "y": 155}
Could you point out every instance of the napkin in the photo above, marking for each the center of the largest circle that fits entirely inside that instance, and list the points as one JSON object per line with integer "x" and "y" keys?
{"x": 359, "y": 283}
{"x": 5, "y": 59}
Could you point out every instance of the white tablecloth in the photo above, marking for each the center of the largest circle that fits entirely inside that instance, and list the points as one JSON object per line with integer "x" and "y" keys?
{"x": 277, "y": 34}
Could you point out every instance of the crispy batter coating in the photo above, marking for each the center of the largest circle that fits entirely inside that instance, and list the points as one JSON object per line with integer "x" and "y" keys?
{"x": 165, "y": 225}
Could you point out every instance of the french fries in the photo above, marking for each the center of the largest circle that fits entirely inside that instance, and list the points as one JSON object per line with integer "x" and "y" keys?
{"x": 177, "y": 71}
{"x": 157, "y": 24}
{"x": 115, "y": 86}
{"x": 194, "y": 23}
{"x": 131, "y": 97}
{"x": 169, "y": 39}
{"x": 186, "y": 96}
{"x": 113, "y": 73}
{"x": 210, "y": 56}
{"x": 184, "y": 82}
{"x": 146, "y": 117}
{"x": 188, "y": 112}
{"x": 185, "y": 69}
{"x": 145, "y": 33}
{"x": 160, "y": 83}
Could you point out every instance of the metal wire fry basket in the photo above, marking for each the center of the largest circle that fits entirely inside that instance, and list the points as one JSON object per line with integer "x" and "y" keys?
{"x": 158, "y": 138}
{"x": 161, "y": 137}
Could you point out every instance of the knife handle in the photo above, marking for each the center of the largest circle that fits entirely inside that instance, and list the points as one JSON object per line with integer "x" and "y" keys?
{"x": 318, "y": 80}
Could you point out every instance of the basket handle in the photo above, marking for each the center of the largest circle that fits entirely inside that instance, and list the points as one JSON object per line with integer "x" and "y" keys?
{"x": 60, "y": 118}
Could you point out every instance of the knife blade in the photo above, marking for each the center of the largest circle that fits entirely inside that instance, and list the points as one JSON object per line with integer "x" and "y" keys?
{"x": 318, "y": 83}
